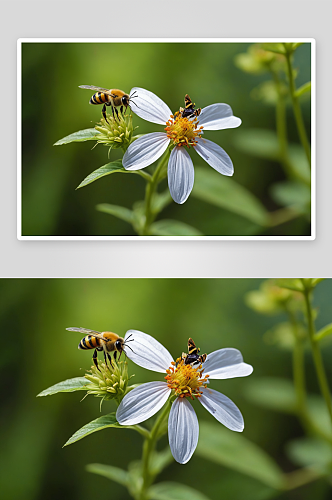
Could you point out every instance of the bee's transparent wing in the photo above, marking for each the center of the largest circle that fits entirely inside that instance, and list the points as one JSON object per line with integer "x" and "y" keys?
{"x": 98, "y": 89}
{"x": 86, "y": 331}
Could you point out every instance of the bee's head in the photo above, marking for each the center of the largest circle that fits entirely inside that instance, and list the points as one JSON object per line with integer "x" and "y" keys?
{"x": 125, "y": 100}
{"x": 119, "y": 345}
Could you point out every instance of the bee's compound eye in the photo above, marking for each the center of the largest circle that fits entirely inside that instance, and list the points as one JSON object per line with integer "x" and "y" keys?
{"x": 118, "y": 345}
{"x": 124, "y": 100}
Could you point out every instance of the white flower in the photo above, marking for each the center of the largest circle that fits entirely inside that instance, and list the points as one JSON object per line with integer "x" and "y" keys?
{"x": 180, "y": 131}
{"x": 185, "y": 381}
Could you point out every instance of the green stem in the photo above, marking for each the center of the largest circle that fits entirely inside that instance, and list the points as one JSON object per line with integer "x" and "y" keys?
{"x": 320, "y": 370}
{"x": 296, "y": 107}
{"x": 148, "y": 448}
{"x": 281, "y": 123}
{"x": 150, "y": 190}
{"x": 283, "y": 215}
{"x": 301, "y": 477}
{"x": 298, "y": 370}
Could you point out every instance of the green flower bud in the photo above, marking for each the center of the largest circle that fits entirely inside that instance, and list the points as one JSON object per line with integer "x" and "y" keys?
{"x": 272, "y": 299}
{"x": 108, "y": 382}
{"x": 116, "y": 133}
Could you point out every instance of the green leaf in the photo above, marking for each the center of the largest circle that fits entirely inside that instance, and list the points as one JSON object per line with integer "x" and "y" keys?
{"x": 224, "y": 192}
{"x": 303, "y": 89}
{"x": 94, "y": 426}
{"x": 319, "y": 414}
{"x": 70, "y": 385}
{"x": 294, "y": 284}
{"x": 89, "y": 134}
{"x": 310, "y": 452}
{"x": 169, "y": 227}
{"x": 174, "y": 491}
{"x": 160, "y": 460}
{"x": 264, "y": 144}
{"x": 258, "y": 142}
{"x": 277, "y": 48}
{"x": 109, "y": 168}
{"x": 121, "y": 212}
{"x": 114, "y": 473}
{"x": 160, "y": 201}
{"x": 233, "y": 450}
{"x": 323, "y": 332}
{"x": 316, "y": 281}
{"x": 273, "y": 393}
{"x": 292, "y": 194}
{"x": 299, "y": 163}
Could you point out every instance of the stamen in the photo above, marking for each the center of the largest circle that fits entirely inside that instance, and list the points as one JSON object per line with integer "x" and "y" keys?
{"x": 186, "y": 380}
{"x": 182, "y": 131}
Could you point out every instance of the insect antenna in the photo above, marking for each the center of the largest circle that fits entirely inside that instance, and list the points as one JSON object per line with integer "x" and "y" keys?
{"x": 130, "y": 347}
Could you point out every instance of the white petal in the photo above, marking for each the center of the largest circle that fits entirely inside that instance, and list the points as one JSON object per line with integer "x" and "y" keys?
{"x": 146, "y": 351}
{"x": 145, "y": 150}
{"x": 217, "y": 117}
{"x": 183, "y": 430}
{"x": 226, "y": 363}
{"x": 215, "y": 156}
{"x": 180, "y": 174}
{"x": 149, "y": 106}
{"x": 223, "y": 409}
{"x": 142, "y": 403}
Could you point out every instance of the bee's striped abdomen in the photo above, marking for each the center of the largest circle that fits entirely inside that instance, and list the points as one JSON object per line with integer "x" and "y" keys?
{"x": 99, "y": 98}
{"x": 89, "y": 342}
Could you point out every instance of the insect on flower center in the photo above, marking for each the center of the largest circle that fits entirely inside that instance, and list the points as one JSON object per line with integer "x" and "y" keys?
{"x": 186, "y": 380}
{"x": 182, "y": 130}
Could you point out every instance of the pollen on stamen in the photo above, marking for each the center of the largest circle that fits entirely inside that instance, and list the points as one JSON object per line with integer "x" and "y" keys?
{"x": 186, "y": 380}
{"x": 182, "y": 131}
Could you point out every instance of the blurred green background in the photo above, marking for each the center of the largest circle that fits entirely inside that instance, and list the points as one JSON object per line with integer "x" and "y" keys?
{"x": 53, "y": 107}
{"x": 38, "y": 352}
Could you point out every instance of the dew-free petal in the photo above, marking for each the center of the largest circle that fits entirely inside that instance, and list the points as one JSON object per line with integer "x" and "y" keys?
{"x": 183, "y": 430}
{"x": 149, "y": 106}
{"x": 142, "y": 403}
{"x": 215, "y": 156}
{"x": 145, "y": 150}
{"x": 226, "y": 363}
{"x": 223, "y": 409}
{"x": 218, "y": 117}
{"x": 180, "y": 174}
{"x": 146, "y": 351}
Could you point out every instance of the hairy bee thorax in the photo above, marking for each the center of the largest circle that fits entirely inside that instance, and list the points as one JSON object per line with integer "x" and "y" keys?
{"x": 186, "y": 380}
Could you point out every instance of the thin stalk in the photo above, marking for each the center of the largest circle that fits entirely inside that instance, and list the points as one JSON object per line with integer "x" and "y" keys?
{"x": 149, "y": 192}
{"x": 320, "y": 370}
{"x": 298, "y": 371}
{"x": 296, "y": 107}
{"x": 282, "y": 215}
{"x": 300, "y": 477}
{"x": 281, "y": 124}
{"x": 148, "y": 448}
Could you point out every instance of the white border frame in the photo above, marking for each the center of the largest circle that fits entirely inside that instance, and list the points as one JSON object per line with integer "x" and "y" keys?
{"x": 20, "y": 41}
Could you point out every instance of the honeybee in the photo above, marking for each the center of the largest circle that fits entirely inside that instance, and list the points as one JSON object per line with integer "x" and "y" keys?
{"x": 189, "y": 109}
{"x": 109, "y": 97}
{"x": 101, "y": 341}
{"x": 193, "y": 355}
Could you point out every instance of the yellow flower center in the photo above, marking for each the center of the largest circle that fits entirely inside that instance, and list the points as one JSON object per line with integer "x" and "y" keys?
{"x": 186, "y": 380}
{"x": 182, "y": 131}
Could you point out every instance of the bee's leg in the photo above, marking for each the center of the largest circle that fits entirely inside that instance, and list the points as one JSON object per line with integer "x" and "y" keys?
{"x": 95, "y": 360}
{"x": 115, "y": 354}
{"x": 121, "y": 110}
{"x": 103, "y": 112}
{"x": 110, "y": 359}
{"x": 117, "y": 113}
{"x": 113, "y": 112}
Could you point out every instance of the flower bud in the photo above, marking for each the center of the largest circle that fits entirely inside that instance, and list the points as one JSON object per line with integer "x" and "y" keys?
{"x": 116, "y": 132}
{"x": 109, "y": 382}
